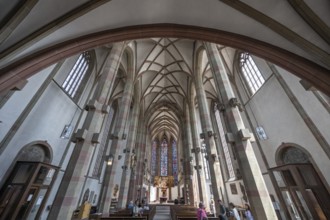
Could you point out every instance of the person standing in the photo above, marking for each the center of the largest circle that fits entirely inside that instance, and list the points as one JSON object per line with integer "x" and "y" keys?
{"x": 248, "y": 213}
{"x": 212, "y": 209}
{"x": 130, "y": 207}
{"x": 234, "y": 210}
{"x": 223, "y": 214}
{"x": 201, "y": 213}
{"x": 136, "y": 208}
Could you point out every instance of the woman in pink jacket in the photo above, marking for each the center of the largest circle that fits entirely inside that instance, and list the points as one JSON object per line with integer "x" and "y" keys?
{"x": 201, "y": 213}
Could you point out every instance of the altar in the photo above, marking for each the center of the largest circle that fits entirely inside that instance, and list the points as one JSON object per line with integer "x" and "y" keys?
{"x": 163, "y": 183}
{"x": 162, "y": 199}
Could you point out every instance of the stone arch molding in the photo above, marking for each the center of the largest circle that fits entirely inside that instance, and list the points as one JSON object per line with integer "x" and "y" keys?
{"x": 37, "y": 151}
{"x": 292, "y": 153}
{"x": 27, "y": 66}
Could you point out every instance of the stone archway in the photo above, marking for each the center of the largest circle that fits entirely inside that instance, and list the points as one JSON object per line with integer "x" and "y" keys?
{"x": 299, "y": 185}
{"x": 36, "y": 152}
{"x": 292, "y": 154}
{"x": 29, "y": 65}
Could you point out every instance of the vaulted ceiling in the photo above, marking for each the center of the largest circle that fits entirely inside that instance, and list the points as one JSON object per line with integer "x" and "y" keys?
{"x": 35, "y": 33}
{"x": 164, "y": 69}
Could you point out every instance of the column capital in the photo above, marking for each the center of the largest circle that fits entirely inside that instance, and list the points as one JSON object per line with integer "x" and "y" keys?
{"x": 198, "y": 167}
{"x": 244, "y": 134}
{"x": 96, "y": 138}
{"x": 105, "y": 109}
{"x": 93, "y": 105}
{"x": 80, "y": 135}
{"x": 233, "y": 102}
{"x": 219, "y": 106}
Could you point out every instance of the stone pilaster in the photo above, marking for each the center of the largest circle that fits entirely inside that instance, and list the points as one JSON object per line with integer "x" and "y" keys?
{"x": 140, "y": 159}
{"x": 198, "y": 156}
{"x": 125, "y": 178}
{"x": 256, "y": 189}
{"x": 207, "y": 134}
{"x": 189, "y": 159}
{"x": 67, "y": 198}
{"x": 117, "y": 144}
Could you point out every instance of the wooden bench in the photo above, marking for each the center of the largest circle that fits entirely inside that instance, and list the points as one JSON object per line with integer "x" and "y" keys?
{"x": 124, "y": 214}
{"x": 124, "y": 218}
{"x": 194, "y": 218}
{"x": 186, "y": 213}
{"x": 183, "y": 211}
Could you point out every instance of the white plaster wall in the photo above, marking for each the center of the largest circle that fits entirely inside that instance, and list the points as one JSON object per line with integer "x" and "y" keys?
{"x": 275, "y": 112}
{"x": 45, "y": 123}
{"x": 19, "y": 100}
{"x": 174, "y": 193}
{"x": 153, "y": 193}
{"x": 236, "y": 199}
{"x": 310, "y": 103}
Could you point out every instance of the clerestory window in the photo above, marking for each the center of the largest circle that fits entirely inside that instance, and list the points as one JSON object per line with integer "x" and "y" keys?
{"x": 251, "y": 73}
{"x": 76, "y": 75}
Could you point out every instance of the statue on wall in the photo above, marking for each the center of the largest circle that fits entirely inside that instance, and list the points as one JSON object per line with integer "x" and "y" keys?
{"x": 115, "y": 190}
{"x": 170, "y": 181}
{"x": 156, "y": 181}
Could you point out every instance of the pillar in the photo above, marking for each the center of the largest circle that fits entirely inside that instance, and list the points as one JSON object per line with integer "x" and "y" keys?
{"x": 141, "y": 166}
{"x": 207, "y": 134}
{"x": 67, "y": 198}
{"x": 256, "y": 189}
{"x": 117, "y": 144}
{"x": 189, "y": 159}
{"x": 125, "y": 178}
{"x": 202, "y": 189}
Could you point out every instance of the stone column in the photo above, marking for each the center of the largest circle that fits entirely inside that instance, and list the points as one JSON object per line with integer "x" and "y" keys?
{"x": 133, "y": 186}
{"x": 202, "y": 189}
{"x": 187, "y": 152}
{"x": 207, "y": 134}
{"x": 256, "y": 189}
{"x": 66, "y": 200}
{"x": 117, "y": 143}
{"x": 141, "y": 148}
{"x": 125, "y": 178}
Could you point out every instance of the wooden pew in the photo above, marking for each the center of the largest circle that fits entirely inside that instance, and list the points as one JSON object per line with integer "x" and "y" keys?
{"x": 195, "y": 218}
{"x": 186, "y": 213}
{"x": 124, "y": 214}
{"x": 183, "y": 211}
{"x": 124, "y": 218}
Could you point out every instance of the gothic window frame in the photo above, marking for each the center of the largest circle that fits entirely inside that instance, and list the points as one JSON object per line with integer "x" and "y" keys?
{"x": 206, "y": 166}
{"x": 164, "y": 158}
{"x": 175, "y": 168}
{"x": 252, "y": 76}
{"x": 77, "y": 76}
{"x": 228, "y": 159}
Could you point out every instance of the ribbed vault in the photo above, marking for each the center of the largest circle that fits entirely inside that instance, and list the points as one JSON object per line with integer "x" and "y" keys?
{"x": 165, "y": 70}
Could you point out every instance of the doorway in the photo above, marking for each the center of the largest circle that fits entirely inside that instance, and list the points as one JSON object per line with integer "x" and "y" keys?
{"x": 24, "y": 194}
{"x": 302, "y": 192}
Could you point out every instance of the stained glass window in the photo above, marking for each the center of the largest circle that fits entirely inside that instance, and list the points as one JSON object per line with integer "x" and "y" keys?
{"x": 153, "y": 158}
{"x": 163, "y": 158}
{"x": 175, "y": 162}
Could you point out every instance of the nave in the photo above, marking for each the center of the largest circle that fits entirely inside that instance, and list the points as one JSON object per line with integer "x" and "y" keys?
{"x": 111, "y": 101}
